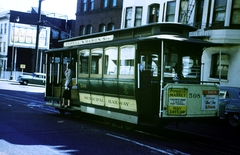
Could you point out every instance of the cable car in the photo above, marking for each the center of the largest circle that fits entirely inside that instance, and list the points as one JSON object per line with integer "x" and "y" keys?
{"x": 142, "y": 75}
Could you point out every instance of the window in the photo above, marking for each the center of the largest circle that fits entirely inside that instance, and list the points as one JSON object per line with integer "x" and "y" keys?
{"x": 5, "y": 28}
{"x": 150, "y": 62}
{"x": 111, "y": 61}
{"x": 127, "y": 55}
{"x": 219, "y": 67}
{"x": 200, "y": 6}
{"x": 1, "y": 29}
{"x": 91, "y": 4}
{"x": 55, "y": 34}
{"x": 138, "y": 16}
{"x": 64, "y": 35}
{"x": 128, "y": 18}
{"x": 219, "y": 11}
{"x": 224, "y": 94}
{"x": 83, "y": 61}
{"x": 111, "y": 26}
{"x": 84, "y": 5}
{"x": 96, "y": 61}
{"x": 102, "y": 28}
{"x": 114, "y": 3}
{"x": 0, "y": 47}
{"x": 190, "y": 67}
{"x": 153, "y": 13}
{"x": 89, "y": 29}
{"x": 82, "y": 30}
{"x": 170, "y": 11}
{"x": 105, "y": 3}
{"x": 170, "y": 61}
{"x": 183, "y": 15}
{"x": 4, "y": 47}
{"x": 236, "y": 12}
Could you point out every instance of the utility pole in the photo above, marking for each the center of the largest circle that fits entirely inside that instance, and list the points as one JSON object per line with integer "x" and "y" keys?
{"x": 13, "y": 29}
{"x": 37, "y": 35}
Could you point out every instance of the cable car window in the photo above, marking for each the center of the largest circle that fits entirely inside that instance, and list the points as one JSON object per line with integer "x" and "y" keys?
{"x": 127, "y": 55}
{"x": 111, "y": 61}
{"x": 96, "y": 61}
{"x": 154, "y": 65}
{"x": 83, "y": 61}
{"x": 190, "y": 67}
{"x": 170, "y": 61}
{"x": 150, "y": 62}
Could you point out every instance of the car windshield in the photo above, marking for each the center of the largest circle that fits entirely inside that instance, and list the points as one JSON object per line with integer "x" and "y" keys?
{"x": 231, "y": 93}
{"x": 222, "y": 94}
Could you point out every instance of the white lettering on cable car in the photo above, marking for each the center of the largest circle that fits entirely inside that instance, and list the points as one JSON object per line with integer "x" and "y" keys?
{"x": 89, "y": 41}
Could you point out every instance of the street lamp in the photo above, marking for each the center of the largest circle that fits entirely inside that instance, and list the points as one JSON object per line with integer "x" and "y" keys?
{"x": 14, "y": 22}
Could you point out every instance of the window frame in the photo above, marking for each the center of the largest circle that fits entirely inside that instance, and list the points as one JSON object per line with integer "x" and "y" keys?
{"x": 102, "y": 27}
{"x": 199, "y": 14}
{"x": 99, "y": 66}
{"x": 111, "y": 26}
{"x": 235, "y": 11}
{"x": 82, "y": 30}
{"x": 113, "y": 3}
{"x": 91, "y": 5}
{"x": 80, "y": 74}
{"x": 115, "y": 73}
{"x": 128, "y": 17}
{"x": 84, "y": 5}
{"x": 105, "y": 3}
{"x": 138, "y": 17}
{"x": 153, "y": 17}
{"x": 132, "y": 64}
{"x": 169, "y": 13}
{"x": 89, "y": 29}
{"x": 219, "y": 13}
{"x": 214, "y": 73}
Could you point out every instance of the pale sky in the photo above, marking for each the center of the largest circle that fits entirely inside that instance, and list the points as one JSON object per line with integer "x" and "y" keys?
{"x": 65, "y": 7}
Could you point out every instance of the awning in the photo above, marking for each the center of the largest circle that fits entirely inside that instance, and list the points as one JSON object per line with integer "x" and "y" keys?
{"x": 180, "y": 39}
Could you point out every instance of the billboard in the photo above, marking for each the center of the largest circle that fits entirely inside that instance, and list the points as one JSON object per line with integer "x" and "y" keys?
{"x": 23, "y": 35}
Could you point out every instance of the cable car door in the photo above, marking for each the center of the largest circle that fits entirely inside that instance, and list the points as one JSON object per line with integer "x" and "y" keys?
{"x": 148, "y": 87}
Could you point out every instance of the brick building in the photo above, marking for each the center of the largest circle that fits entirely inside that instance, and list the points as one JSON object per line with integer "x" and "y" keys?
{"x": 13, "y": 52}
{"x": 94, "y": 16}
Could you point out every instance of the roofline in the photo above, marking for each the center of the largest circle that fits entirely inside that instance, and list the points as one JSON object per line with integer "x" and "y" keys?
{"x": 189, "y": 27}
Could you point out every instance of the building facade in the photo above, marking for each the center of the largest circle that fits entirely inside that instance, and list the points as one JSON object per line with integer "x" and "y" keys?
{"x": 94, "y": 16}
{"x": 18, "y": 41}
{"x": 217, "y": 21}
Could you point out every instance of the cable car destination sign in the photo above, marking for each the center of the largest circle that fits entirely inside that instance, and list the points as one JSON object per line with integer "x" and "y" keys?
{"x": 88, "y": 41}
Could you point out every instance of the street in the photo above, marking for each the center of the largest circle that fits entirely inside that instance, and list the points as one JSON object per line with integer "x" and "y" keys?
{"x": 29, "y": 127}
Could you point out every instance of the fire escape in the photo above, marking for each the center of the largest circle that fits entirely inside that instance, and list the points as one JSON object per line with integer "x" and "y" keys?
{"x": 186, "y": 8}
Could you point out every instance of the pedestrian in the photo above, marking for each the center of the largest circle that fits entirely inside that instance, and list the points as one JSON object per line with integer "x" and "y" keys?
{"x": 68, "y": 87}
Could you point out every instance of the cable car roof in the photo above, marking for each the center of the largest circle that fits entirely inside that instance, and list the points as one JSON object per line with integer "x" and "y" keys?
{"x": 179, "y": 38}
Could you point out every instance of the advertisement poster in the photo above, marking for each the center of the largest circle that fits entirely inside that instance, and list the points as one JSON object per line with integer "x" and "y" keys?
{"x": 177, "y": 101}
{"x": 23, "y": 35}
{"x": 209, "y": 100}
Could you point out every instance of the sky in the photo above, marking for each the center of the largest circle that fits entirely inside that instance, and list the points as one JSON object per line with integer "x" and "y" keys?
{"x": 65, "y": 7}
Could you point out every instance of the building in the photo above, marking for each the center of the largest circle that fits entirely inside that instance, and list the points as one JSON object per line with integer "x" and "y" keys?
{"x": 19, "y": 53}
{"x": 217, "y": 21}
{"x": 94, "y": 16}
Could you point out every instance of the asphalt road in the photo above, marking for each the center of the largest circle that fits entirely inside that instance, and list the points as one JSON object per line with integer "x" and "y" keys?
{"x": 29, "y": 127}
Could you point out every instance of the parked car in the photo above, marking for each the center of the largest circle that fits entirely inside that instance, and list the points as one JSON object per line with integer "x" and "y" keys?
{"x": 229, "y": 105}
{"x": 34, "y": 78}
